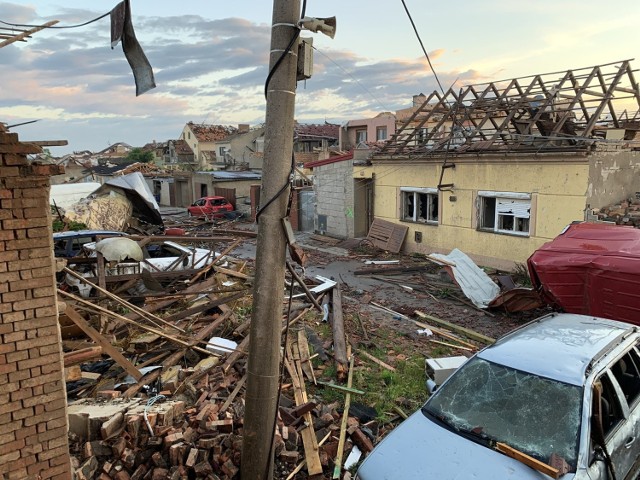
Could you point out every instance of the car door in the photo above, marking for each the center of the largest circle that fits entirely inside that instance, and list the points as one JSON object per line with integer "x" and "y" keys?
{"x": 621, "y": 417}
{"x": 626, "y": 374}
{"x": 198, "y": 207}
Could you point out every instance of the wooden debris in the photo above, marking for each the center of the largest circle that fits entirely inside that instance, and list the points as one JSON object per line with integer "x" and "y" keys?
{"x": 465, "y": 331}
{"x": 339, "y": 339}
{"x": 343, "y": 427}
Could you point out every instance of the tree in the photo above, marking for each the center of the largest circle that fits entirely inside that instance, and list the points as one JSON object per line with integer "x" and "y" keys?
{"x": 139, "y": 155}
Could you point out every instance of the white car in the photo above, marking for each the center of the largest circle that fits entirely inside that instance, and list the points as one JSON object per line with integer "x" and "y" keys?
{"x": 558, "y": 398}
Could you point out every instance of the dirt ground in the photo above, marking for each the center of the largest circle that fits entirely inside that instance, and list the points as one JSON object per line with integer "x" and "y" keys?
{"x": 339, "y": 260}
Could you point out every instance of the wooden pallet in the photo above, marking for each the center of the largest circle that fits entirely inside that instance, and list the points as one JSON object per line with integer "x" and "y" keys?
{"x": 387, "y": 235}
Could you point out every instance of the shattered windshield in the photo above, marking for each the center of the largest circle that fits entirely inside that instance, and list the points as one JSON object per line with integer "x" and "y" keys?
{"x": 533, "y": 414}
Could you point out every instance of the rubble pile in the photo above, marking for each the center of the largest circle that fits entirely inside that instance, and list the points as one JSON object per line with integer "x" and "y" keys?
{"x": 626, "y": 213}
{"x": 156, "y": 386}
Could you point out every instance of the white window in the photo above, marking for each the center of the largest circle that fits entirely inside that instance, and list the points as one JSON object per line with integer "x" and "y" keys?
{"x": 504, "y": 212}
{"x": 222, "y": 151}
{"x": 361, "y": 136}
{"x": 419, "y": 205}
{"x": 381, "y": 133}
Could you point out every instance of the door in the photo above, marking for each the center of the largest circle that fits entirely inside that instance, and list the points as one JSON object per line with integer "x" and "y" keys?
{"x": 362, "y": 206}
{"x": 306, "y": 209}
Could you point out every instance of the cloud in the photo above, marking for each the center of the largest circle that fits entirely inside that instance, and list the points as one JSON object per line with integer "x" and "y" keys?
{"x": 214, "y": 69}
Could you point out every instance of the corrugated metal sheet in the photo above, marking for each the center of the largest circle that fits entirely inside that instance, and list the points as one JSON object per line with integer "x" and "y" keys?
{"x": 475, "y": 284}
{"x": 225, "y": 175}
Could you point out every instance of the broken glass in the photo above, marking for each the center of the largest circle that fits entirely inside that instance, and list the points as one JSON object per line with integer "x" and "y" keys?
{"x": 535, "y": 415}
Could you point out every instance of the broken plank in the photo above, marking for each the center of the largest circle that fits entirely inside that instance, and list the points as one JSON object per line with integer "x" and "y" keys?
{"x": 233, "y": 394}
{"x": 376, "y": 360}
{"x": 452, "y": 326}
{"x": 81, "y": 356}
{"x": 100, "y": 340}
{"x": 305, "y": 356}
{"x": 341, "y": 388}
{"x": 527, "y": 460}
{"x": 343, "y": 426}
{"x": 443, "y": 333}
{"x": 300, "y": 281}
{"x": 309, "y": 440}
{"x": 339, "y": 339}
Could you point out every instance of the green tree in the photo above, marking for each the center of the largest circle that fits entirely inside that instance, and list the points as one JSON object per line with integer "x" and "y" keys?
{"x": 139, "y": 155}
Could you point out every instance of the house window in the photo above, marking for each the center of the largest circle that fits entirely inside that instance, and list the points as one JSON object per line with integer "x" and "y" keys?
{"x": 222, "y": 150}
{"x": 504, "y": 212}
{"x": 381, "y": 133}
{"x": 361, "y": 136}
{"x": 189, "y": 133}
{"x": 420, "y": 205}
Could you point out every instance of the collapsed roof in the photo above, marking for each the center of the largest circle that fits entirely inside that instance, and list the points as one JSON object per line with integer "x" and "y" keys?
{"x": 546, "y": 112}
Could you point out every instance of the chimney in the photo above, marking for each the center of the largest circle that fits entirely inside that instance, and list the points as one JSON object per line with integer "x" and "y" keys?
{"x": 243, "y": 127}
{"x": 419, "y": 99}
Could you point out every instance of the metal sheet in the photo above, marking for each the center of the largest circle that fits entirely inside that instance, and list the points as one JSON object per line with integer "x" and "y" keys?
{"x": 475, "y": 284}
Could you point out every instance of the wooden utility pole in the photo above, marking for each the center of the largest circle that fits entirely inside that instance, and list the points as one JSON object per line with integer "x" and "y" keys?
{"x": 25, "y": 34}
{"x": 268, "y": 292}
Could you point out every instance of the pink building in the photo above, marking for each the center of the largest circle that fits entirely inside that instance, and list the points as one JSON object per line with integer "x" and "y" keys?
{"x": 367, "y": 130}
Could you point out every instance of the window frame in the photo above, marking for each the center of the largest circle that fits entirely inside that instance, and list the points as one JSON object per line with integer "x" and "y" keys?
{"x": 379, "y": 130}
{"x": 487, "y": 198}
{"x": 431, "y": 194}
{"x": 359, "y": 132}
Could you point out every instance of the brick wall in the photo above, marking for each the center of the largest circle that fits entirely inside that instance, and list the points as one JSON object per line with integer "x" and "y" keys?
{"x": 33, "y": 416}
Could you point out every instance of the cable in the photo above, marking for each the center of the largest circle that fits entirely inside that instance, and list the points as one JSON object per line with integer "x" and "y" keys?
{"x": 266, "y": 87}
{"x": 422, "y": 45}
{"x": 150, "y": 402}
{"x": 64, "y": 26}
{"x": 352, "y": 78}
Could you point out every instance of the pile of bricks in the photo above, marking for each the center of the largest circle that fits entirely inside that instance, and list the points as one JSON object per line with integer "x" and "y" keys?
{"x": 33, "y": 421}
{"x": 199, "y": 434}
{"x": 626, "y": 212}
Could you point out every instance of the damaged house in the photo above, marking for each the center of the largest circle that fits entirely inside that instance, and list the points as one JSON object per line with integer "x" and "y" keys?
{"x": 498, "y": 169}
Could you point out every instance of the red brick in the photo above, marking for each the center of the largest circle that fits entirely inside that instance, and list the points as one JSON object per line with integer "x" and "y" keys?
{"x": 55, "y": 405}
{"x": 7, "y": 347}
{"x": 54, "y": 386}
{"x": 13, "y": 297}
{"x": 38, "y": 232}
{"x": 42, "y": 272}
{"x": 9, "y": 171}
{"x": 28, "y": 243}
{"x": 7, "y": 437}
{"x": 34, "y": 372}
{"x": 25, "y": 432}
{"x": 31, "y": 283}
{"x": 29, "y": 264}
{"x": 38, "y": 468}
{"x": 60, "y": 441}
{"x": 8, "y": 368}
{"x": 43, "y": 292}
{"x": 54, "y": 452}
{"x": 17, "y": 356}
{"x": 12, "y": 406}
{"x": 59, "y": 471}
{"x": 21, "y": 394}
{"x": 4, "y": 193}
{"x": 30, "y": 402}
{"x": 9, "y": 457}
{"x": 19, "y": 375}
{"x": 32, "y": 382}
{"x": 54, "y": 367}
{"x": 14, "y": 337}
{"x": 6, "y": 234}
{"x": 36, "y": 362}
{"x": 36, "y": 342}
{"x": 51, "y": 311}
{"x": 5, "y": 326}
{"x": 33, "y": 324}
{"x": 13, "y": 317}
{"x": 15, "y": 445}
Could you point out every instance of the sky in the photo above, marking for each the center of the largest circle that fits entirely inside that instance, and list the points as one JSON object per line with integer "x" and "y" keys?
{"x": 210, "y": 60}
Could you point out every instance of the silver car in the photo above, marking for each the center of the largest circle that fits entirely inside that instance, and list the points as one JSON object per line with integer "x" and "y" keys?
{"x": 559, "y": 397}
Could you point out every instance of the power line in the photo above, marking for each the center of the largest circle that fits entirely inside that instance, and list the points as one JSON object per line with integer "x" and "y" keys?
{"x": 422, "y": 45}
{"x": 24, "y": 25}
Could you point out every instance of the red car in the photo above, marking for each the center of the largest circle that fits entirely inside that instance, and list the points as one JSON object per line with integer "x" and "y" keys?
{"x": 210, "y": 207}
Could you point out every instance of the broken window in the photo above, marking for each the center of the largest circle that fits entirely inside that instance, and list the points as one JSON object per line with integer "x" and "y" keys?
{"x": 627, "y": 374}
{"x": 504, "y": 214}
{"x": 495, "y": 403}
{"x": 420, "y": 205}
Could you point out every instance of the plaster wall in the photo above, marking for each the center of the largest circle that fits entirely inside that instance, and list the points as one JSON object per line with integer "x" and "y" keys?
{"x": 557, "y": 186}
{"x": 614, "y": 175}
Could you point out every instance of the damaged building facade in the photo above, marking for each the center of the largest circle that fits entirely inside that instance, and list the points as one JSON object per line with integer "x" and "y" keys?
{"x": 498, "y": 169}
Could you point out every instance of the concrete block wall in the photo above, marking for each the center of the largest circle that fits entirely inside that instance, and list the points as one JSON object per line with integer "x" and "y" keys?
{"x": 333, "y": 184}
{"x": 33, "y": 416}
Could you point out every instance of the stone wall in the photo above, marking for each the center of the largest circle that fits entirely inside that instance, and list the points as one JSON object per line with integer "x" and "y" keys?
{"x": 33, "y": 416}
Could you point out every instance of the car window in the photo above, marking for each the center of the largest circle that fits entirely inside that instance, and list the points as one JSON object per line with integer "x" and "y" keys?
{"x": 220, "y": 201}
{"x": 535, "y": 415}
{"x": 610, "y": 406}
{"x": 627, "y": 373}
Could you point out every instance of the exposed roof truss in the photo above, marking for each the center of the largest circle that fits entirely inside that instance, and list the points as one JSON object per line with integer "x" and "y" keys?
{"x": 553, "y": 111}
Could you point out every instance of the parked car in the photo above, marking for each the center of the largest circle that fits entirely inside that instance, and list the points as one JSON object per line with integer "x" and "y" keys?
{"x": 69, "y": 244}
{"x": 211, "y": 207}
{"x": 562, "y": 390}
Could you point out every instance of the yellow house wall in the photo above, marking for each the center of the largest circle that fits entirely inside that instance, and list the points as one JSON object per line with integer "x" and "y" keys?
{"x": 557, "y": 185}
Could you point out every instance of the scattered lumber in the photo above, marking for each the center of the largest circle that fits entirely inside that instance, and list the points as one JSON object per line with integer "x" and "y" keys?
{"x": 339, "y": 339}
{"x": 457, "y": 328}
